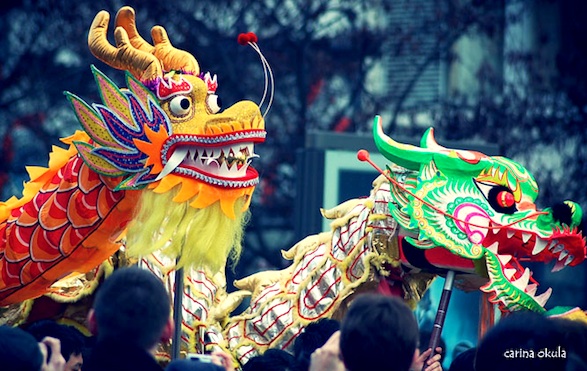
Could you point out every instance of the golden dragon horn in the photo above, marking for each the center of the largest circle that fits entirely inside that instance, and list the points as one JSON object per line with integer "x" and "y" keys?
{"x": 141, "y": 64}
{"x": 171, "y": 57}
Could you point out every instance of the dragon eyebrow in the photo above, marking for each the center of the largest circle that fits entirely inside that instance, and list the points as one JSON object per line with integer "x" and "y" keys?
{"x": 363, "y": 155}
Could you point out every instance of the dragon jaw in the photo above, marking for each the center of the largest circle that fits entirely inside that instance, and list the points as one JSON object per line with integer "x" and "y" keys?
{"x": 221, "y": 160}
{"x": 510, "y": 284}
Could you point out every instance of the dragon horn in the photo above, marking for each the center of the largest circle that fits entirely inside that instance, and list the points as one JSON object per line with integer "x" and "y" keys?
{"x": 406, "y": 155}
{"x": 124, "y": 56}
{"x": 125, "y": 18}
{"x": 172, "y": 58}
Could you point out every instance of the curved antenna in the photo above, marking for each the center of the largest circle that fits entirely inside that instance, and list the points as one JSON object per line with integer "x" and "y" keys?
{"x": 250, "y": 38}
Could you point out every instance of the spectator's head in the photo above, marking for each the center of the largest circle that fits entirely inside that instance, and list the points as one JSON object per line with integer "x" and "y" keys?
{"x": 19, "y": 351}
{"x": 132, "y": 306}
{"x": 271, "y": 360}
{"x": 192, "y": 365}
{"x": 72, "y": 341}
{"x": 575, "y": 335}
{"x": 378, "y": 331}
{"x": 464, "y": 361}
{"x": 313, "y": 337}
{"x": 522, "y": 341}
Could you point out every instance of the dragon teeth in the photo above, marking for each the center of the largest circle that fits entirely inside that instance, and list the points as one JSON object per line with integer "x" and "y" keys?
{"x": 558, "y": 266}
{"x": 539, "y": 246}
{"x": 493, "y": 247}
{"x": 522, "y": 282}
{"x": 509, "y": 273}
{"x": 176, "y": 158}
{"x": 563, "y": 255}
{"x": 510, "y": 233}
{"x": 569, "y": 259}
{"x": 543, "y": 298}
{"x": 504, "y": 259}
{"x": 558, "y": 249}
{"x": 526, "y": 237}
{"x": 531, "y": 289}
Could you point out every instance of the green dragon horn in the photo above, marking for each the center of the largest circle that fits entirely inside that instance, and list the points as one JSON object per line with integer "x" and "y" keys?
{"x": 406, "y": 155}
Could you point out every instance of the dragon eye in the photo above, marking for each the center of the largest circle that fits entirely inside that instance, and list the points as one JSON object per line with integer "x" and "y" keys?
{"x": 214, "y": 103}
{"x": 505, "y": 199}
{"x": 499, "y": 197}
{"x": 180, "y": 106}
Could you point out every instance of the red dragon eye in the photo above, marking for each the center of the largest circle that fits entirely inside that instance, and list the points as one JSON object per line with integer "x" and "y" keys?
{"x": 505, "y": 199}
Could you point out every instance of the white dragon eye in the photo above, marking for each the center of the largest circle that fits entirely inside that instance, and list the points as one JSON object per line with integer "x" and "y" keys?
{"x": 214, "y": 103}
{"x": 180, "y": 106}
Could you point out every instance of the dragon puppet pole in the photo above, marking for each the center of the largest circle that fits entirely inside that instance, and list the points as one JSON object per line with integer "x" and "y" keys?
{"x": 440, "y": 314}
{"x": 177, "y": 301}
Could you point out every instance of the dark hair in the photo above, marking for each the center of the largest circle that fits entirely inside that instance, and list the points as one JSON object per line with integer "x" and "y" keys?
{"x": 519, "y": 342}
{"x": 191, "y": 365}
{"x": 315, "y": 335}
{"x": 72, "y": 340}
{"x": 378, "y": 330}
{"x": 464, "y": 361}
{"x": 271, "y": 360}
{"x": 19, "y": 351}
{"x": 132, "y": 306}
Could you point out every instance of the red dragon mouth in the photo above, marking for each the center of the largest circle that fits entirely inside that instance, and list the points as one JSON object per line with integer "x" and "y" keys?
{"x": 511, "y": 247}
{"x": 222, "y": 160}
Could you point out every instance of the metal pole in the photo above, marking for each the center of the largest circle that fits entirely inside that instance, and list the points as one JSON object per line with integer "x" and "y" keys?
{"x": 440, "y": 314}
{"x": 177, "y": 317}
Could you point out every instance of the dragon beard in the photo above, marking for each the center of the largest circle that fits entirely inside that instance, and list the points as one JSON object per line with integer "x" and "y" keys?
{"x": 198, "y": 238}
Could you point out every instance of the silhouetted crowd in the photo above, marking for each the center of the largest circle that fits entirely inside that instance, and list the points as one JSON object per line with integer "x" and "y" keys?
{"x": 130, "y": 317}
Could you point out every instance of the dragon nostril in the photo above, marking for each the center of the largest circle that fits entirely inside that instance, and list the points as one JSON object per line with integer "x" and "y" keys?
{"x": 562, "y": 213}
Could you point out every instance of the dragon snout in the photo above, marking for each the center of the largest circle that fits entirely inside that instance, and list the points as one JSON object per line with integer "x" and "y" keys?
{"x": 568, "y": 213}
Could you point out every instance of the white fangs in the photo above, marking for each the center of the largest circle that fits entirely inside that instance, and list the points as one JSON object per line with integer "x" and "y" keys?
{"x": 509, "y": 273}
{"x": 504, "y": 259}
{"x": 526, "y": 237}
{"x": 176, "y": 158}
{"x": 229, "y": 161}
{"x": 539, "y": 246}
{"x": 531, "y": 289}
{"x": 510, "y": 233}
{"x": 522, "y": 282}
{"x": 569, "y": 259}
{"x": 543, "y": 298}
{"x": 493, "y": 247}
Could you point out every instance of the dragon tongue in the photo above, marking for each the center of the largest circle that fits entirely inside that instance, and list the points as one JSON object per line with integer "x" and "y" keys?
{"x": 176, "y": 158}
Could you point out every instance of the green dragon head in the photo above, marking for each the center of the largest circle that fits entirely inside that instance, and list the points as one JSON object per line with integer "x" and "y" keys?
{"x": 481, "y": 209}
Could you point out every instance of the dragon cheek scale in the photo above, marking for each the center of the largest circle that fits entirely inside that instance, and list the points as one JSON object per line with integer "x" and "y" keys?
{"x": 159, "y": 171}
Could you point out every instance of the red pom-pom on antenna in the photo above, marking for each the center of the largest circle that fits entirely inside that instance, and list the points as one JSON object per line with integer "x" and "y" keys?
{"x": 243, "y": 39}
{"x": 363, "y": 155}
{"x": 252, "y": 37}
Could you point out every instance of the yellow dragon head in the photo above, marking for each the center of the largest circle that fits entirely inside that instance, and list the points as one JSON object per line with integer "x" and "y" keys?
{"x": 165, "y": 133}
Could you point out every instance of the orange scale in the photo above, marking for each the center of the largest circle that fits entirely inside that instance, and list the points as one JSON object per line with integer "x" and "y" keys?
{"x": 41, "y": 198}
{"x": 88, "y": 180}
{"x": 53, "y": 214}
{"x": 19, "y": 239}
{"x": 10, "y": 273}
{"x": 26, "y": 220}
{"x": 72, "y": 237}
{"x": 44, "y": 248}
{"x": 79, "y": 213}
